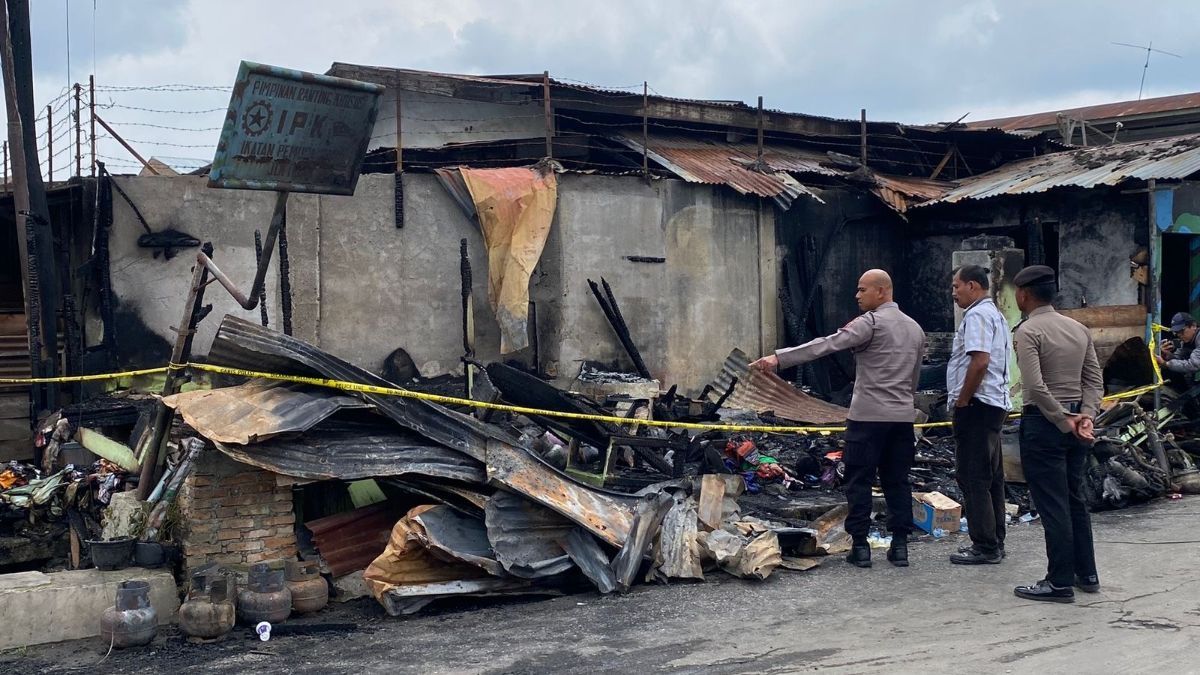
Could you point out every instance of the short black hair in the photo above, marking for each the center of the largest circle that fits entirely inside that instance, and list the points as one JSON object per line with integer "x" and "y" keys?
{"x": 1043, "y": 292}
{"x": 976, "y": 273}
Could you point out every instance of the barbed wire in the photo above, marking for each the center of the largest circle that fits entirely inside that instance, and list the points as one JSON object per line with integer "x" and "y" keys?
{"x": 172, "y": 88}
{"x": 161, "y": 126}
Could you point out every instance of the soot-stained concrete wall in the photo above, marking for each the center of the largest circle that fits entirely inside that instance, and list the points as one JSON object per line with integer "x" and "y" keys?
{"x": 362, "y": 287}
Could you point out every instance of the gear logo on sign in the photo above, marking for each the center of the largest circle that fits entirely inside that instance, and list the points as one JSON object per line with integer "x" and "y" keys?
{"x": 257, "y": 118}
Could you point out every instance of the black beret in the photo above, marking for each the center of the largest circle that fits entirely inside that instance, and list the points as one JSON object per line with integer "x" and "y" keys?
{"x": 1033, "y": 275}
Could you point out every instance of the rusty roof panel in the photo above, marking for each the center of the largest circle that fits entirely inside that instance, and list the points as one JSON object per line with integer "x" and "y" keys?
{"x": 359, "y": 451}
{"x": 608, "y": 515}
{"x": 714, "y": 163}
{"x": 767, "y": 392}
{"x": 1177, "y": 157}
{"x": 1094, "y": 113}
{"x": 258, "y": 409}
{"x": 349, "y": 541}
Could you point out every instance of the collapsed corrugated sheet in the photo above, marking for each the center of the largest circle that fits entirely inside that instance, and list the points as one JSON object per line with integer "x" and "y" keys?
{"x": 526, "y": 537}
{"x": 767, "y": 392}
{"x": 607, "y": 515}
{"x": 903, "y": 192}
{"x": 1177, "y": 157}
{"x": 358, "y": 451}
{"x": 405, "y": 574}
{"x": 258, "y": 409}
{"x": 242, "y": 344}
{"x": 711, "y": 163}
{"x": 349, "y": 541}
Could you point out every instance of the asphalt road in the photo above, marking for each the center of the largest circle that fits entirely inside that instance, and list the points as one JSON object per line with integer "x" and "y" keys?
{"x": 930, "y": 618}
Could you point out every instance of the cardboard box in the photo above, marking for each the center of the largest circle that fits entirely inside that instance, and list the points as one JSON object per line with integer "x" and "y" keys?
{"x": 934, "y": 510}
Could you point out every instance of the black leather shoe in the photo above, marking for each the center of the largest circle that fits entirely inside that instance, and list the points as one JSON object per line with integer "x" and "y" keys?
{"x": 860, "y": 556}
{"x": 974, "y": 556}
{"x": 1046, "y": 592}
{"x": 898, "y": 553}
{"x": 1088, "y": 584}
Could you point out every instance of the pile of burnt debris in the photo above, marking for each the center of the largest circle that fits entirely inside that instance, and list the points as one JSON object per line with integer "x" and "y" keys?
{"x": 546, "y": 490}
{"x": 508, "y": 502}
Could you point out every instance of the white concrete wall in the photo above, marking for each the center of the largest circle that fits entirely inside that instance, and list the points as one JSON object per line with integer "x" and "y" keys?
{"x": 361, "y": 287}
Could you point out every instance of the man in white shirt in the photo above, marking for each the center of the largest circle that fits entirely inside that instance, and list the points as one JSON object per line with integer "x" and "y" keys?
{"x": 977, "y": 388}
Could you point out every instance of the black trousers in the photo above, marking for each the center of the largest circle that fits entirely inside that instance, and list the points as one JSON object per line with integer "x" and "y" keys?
{"x": 886, "y": 448}
{"x": 979, "y": 468}
{"x": 1053, "y": 463}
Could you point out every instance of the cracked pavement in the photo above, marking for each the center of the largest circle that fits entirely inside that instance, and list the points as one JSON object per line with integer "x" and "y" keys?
{"x": 932, "y": 617}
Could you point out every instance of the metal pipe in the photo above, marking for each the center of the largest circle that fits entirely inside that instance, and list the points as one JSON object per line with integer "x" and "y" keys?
{"x": 250, "y": 301}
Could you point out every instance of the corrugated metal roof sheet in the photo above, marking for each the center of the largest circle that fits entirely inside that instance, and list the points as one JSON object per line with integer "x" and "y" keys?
{"x": 349, "y": 541}
{"x": 1177, "y": 157}
{"x": 714, "y": 163}
{"x": 258, "y": 409}
{"x": 1094, "y": 113}
{"x": 767, "y": 392}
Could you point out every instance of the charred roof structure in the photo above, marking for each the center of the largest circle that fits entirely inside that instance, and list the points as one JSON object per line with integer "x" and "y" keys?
{"x": 488, "y": 121}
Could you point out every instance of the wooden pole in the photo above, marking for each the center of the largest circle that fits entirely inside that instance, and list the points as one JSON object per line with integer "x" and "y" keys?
{"x": 42, "y": 298}
{"x": 49, "y": 144}
{"x": 127, "y": 146}
{"x": 92, "y": 121}
{"x": 398, "y": 178}
{"x": 760, "y": 132}
{"x": 549, "y": 115}
{"x": 646, "y": 131}
{"x": 862, "y": 132}
{"x": 78, "y": 131}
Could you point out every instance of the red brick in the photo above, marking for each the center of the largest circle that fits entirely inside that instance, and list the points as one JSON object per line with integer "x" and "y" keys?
{"x": 241, "y": 500}
{"x": 254, "y": 510}
{"x": 258, "y": 534}
{"x": 288, "y": 519}
{"x": 227, "y": 512}
{"x": 229, "y": 535}
{"x": 280, "y": 542}
{"x": 244, "y": 546}
{"x": 205, "y": 549}
{"x": 239, "y": 523}
{"x": 280, "y": 508}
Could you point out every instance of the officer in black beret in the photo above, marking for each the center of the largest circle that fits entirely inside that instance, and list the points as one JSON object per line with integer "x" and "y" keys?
{"x": 1062, "y": 385}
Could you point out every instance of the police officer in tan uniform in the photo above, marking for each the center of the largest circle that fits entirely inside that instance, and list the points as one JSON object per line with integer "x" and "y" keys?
{"x": 1062, "y": 384}
{"x": 887, "y": 346}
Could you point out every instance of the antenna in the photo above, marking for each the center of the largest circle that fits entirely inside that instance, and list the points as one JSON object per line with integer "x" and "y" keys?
{"x": 1149, "y": 48}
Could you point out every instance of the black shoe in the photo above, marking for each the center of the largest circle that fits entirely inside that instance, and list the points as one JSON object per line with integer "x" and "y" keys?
{"x": 860, "y": 555}
{"x": 898, "y": 553}
{"x": 974, "y": 556}
{"x": 1088, "y": 584}
{"x": 1003, "y": 553}
{"x": 1046, "y": 592}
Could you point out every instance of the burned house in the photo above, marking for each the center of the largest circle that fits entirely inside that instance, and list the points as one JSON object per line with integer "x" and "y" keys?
{"x": 717, "y": 230}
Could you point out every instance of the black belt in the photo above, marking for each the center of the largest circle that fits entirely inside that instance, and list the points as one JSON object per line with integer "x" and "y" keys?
{"x": 1072, "y": 407}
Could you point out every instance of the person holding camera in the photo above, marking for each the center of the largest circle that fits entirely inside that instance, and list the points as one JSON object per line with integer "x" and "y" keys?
{"x": 1182, "y": 360}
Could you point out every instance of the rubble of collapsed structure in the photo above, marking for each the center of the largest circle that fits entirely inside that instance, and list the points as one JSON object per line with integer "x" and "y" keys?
{"x": 274, "y": 471}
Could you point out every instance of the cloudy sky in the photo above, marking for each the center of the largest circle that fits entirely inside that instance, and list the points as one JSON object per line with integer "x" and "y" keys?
{"x": 916, "y": 61}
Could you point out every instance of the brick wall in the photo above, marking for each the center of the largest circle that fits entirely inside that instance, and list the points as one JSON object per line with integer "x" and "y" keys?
{"x": 235, "y": 514}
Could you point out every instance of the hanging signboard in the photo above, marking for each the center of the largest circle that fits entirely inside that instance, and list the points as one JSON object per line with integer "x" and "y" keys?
{"x": 292, "y": 131}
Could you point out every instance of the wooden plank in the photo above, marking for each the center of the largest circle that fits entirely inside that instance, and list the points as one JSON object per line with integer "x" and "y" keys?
{"x": 14, "y": 406}
{"x": 712, "y": 497}
{"x": 1105, "y": 316}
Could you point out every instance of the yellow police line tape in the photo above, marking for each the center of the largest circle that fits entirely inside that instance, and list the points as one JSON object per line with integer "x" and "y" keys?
{"x": 452, "y": 400}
